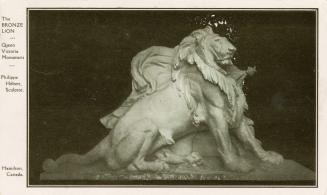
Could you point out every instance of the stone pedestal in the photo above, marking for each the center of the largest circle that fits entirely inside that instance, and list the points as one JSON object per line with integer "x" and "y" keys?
{"x": 210, "y": 170}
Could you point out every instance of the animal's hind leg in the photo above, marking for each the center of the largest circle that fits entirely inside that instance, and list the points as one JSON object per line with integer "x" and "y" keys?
{"x": 245, "y": 133}
{"x": 137, "y": 144}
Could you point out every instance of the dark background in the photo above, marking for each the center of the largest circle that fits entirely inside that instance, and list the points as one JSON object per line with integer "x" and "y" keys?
{"x": 79, "y": 71}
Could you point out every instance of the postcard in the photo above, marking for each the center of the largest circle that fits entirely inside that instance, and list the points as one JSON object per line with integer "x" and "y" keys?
{"x": 187, "y": 98}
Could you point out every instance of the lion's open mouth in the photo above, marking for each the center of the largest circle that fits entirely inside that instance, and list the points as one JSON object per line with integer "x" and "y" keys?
{"x": 225, "y": 60}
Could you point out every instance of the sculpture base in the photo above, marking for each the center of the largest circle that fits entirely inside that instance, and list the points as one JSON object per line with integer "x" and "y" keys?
{"x": 210, "y": 170}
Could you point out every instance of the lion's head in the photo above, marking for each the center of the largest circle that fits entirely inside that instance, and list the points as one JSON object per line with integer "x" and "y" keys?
{"x": 216, "y": 50}
{"x": 205, "y": 46}
{"x": 211, "y": 53}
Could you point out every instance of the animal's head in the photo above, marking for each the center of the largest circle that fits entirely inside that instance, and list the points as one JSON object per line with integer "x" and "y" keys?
{"x": 204, "y": 46}
{"x": 215, "y": 49}
{"x": 210, "y": 53}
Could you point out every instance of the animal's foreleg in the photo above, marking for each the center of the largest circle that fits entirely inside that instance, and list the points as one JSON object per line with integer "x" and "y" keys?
{"x": 245, "y": 133}
{"x": 219, "y": 128}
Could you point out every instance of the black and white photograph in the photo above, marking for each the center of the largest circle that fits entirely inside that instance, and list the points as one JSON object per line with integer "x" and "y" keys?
{"x": 172, "y": 97}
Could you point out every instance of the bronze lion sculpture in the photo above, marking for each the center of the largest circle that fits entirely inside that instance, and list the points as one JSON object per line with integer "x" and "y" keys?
{"x": 178, "y": 92}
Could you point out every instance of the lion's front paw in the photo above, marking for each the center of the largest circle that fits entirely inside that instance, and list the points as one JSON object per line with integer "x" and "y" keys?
{"x": 194, "y": 159}
{"x": 272, "y": 157}
{"x": 161, "y": 165}
{"x": 239, "y": 165}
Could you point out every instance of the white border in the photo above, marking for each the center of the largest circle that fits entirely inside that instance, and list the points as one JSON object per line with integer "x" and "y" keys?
{"x": 13, "y": 112}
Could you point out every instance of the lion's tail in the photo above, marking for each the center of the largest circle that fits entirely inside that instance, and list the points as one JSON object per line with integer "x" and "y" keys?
{"x": 93, "y": 155}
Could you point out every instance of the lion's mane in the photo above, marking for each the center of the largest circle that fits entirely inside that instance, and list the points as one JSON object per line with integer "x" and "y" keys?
{"x": 154, "y": 68}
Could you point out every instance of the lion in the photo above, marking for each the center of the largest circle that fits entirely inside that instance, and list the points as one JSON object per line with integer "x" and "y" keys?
{"x": 178, "y": 92}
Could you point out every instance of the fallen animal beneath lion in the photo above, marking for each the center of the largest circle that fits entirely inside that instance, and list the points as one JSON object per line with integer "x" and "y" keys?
{"x": 177, "y": 94}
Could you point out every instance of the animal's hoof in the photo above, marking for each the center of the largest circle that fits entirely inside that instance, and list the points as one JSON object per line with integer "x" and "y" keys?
{"x": 272, "y": 157}
{"x": 49, "y": 165}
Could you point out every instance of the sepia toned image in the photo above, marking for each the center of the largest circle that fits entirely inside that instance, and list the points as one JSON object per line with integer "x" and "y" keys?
{"x": 172, "y": 97}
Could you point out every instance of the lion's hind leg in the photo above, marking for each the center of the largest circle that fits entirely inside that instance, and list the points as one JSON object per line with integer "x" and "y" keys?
{"x": 93, "y": 155}
{"x": 52, "y": 165}
{"x": 133, "y": 149}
